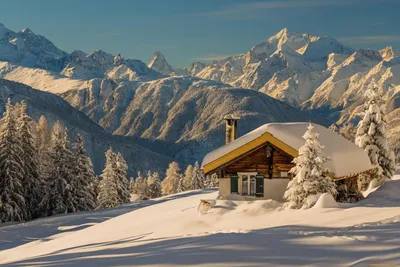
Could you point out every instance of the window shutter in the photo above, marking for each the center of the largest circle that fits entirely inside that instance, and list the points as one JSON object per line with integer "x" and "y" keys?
{"x": 234, "y": 184}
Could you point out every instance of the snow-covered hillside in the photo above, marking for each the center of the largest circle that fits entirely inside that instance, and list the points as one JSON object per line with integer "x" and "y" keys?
{"x": 97, "y": 140}
{"x": 169, "y": 232}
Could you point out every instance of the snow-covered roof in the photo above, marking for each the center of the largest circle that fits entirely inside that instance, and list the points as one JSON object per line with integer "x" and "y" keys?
{"x": 346, "y": 157}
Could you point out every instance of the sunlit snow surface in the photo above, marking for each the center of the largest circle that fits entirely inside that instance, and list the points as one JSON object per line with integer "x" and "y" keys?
{"x": 170, "y": 232}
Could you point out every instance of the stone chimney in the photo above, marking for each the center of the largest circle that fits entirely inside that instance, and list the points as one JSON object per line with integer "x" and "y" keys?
{"x": 231, "y": 128}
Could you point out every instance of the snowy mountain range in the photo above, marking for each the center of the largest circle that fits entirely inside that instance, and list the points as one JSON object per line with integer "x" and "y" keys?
{"x": 97, "y": 140}
{"x": 183, "y": 114}
{"x": 178, "y": 112}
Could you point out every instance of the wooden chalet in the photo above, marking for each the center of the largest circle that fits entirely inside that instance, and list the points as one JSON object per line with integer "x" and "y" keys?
{"x": 257, "y": 164}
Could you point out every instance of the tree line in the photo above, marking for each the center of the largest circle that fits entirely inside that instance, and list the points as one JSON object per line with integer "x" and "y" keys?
{"x": 174, "y": 182}
{"x": 43, "y": 174}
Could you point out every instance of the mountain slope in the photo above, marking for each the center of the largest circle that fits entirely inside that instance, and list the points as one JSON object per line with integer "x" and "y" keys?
{"x": 97, "y": 140}
{"x": 100, "y": 64}
{"x": 29, "y": 49}
{"x": 182, "y": 115}
{"x": 285, "y": 59}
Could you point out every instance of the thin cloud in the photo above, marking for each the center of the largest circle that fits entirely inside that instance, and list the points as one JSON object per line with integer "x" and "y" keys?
{"x": 212, "y": 57}
{"x": 107, "y": 34}
{"x": 246, "y": 11}
{"x": 374, "y": 39}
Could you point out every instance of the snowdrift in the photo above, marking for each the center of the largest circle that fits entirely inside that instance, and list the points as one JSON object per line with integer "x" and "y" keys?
{"x": 169, "y": 232}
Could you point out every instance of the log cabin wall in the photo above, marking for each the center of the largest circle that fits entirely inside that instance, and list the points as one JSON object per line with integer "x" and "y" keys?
{"x": 257, "y": 161}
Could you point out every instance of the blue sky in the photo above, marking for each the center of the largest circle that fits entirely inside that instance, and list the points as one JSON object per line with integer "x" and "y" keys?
{"x": 188, "y": 30}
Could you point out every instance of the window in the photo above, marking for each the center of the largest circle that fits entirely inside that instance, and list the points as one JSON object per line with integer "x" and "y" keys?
{"x": 245, "y": 190}
{"x": 248, "y": 184}
{"x": 252, "y": 185}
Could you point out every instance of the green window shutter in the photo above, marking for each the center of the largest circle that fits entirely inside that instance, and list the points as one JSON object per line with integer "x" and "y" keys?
{"x": 234, "y": 184}
{"x": 259, "y": 185}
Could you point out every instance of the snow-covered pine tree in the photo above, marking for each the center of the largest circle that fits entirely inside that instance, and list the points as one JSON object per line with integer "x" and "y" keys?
{"x": 132, "y": 185}
{"x": 372, "y": 135}
{"x": 334, "y": 128}
{"x": 154, "y": 186}
{"x": 32, "y": 182}
{"x": 121, "y": 170}
{"x": 13, "y": 206}
{"x": 95, "y": 185}
{"x": 171, "y": 182}
{"x": 197, "y": 177}
{"x": 310, "y": 180}
{"x": 348, "y": 131}
{"x": 43, "y": 141}
{"x": 59, "y": 197}
{"x": 140, "y": 186}
{"x": 187, "y": 180}
{"x": 83, "y": 178}
{"x": 181, "y": 187}
{"x": 211, "y": 181}
{"x": 108, "y": 193}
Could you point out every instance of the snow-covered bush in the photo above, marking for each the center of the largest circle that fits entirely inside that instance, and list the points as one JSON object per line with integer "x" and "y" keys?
{"x": 310, "y": 176}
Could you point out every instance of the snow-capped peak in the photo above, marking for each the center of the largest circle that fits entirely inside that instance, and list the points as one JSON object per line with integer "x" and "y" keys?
{"x": 387, "y": 53}
{"x": 160, "y": 64}
{"x": 27, "y": 31}
{"x": 118, "y": 60}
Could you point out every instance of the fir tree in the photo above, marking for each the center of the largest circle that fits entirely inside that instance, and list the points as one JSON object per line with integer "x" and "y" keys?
{"x": 121, "y": 171}
{"x": 60, "y": 193}
{"x": 197, "y": 177}
{"x": 372, "y": 136}
{"x": 95, "y": 186}
{"x": 132, "y": 185}
{"x": 154, "y": 186}
{"x": 211, "y": 181}
{"x": 140, "y": 186}
{"x": 348, "y": 131}
{"x": 13, "y": 206}
{"x": 83, "y": 178}
{"x": 187, "y": 180}
{"x": 171, "y": 182}
{"x": 43, "y": 141}
{"x": 310, "y": 181}
{"x": 108, "y": 194}
{"x": 180, "y": 187}
{"x": 33, "y": 184}
{"x": 334, "y": 128}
